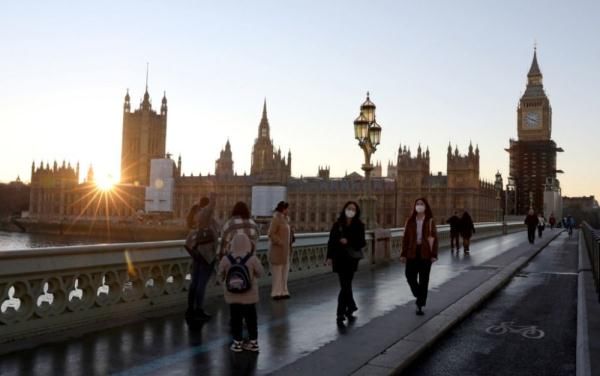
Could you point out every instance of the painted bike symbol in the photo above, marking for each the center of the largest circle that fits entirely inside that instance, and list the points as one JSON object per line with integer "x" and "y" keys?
{"x": 531, "y": 332}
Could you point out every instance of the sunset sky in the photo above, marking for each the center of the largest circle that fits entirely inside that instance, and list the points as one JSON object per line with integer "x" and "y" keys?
{"x": 438, "y": 71}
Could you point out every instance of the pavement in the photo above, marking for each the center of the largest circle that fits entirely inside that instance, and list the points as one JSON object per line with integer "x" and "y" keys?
{"x": 527, "y": 328}
{"x": 299, "y": 336}
{"x": 588, "y": 319}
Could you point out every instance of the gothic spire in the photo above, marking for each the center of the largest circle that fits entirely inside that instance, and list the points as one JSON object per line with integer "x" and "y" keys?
{"x": 264, "y": 113}
{"x": 534, "y": 70}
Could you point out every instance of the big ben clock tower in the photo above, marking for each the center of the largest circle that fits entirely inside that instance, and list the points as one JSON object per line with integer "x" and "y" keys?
{"x": 533, "y": 155}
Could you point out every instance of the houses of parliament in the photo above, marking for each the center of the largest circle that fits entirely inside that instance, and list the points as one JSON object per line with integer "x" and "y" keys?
{"x": 153, "y": 182}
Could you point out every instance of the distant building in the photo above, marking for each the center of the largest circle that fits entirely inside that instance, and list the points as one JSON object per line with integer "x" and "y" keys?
{"x": 14, "y": 198}
{"x": 152, "y": 182}
{"x": 533, "y": 155}
{"x": 460, "y": 189}
{"x": 584, "y": 203}
{"x": 144, "y": 139}
{"x": 57, "y": 195}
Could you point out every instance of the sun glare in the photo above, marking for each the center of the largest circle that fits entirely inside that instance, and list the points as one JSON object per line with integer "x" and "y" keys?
{"x": 105, "y": 183}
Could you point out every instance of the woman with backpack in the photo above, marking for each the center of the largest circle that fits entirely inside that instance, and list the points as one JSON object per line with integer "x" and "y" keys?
{"x": 201, "y": 223}
{"x": 344, "y": 250}
{"x": 239, "y": 270}
{"x": 280, "y": 241}
{"x": 239, "y": 223}
{"x": 419, "y": 250}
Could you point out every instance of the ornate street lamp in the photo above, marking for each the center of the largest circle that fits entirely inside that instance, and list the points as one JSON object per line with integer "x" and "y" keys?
{"x": 368, "y": 134}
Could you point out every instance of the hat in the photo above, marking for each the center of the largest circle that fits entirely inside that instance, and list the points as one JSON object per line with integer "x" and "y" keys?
{"x": 240, "y": 243}
{"x": 281, "y": 205}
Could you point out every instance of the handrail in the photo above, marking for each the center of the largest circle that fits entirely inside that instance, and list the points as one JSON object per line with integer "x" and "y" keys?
{"x": 592, "y": 242}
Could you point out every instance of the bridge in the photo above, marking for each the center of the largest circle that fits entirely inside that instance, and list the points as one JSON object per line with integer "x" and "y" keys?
{"x": 118, "y": 309}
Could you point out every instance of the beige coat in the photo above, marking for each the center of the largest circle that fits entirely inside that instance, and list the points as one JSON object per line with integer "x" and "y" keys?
{"x": 240, "y": 247}
{"x": 280, "y": 242}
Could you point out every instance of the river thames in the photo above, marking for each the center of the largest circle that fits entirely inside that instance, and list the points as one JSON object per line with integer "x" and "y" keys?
{"x": 20, "y": 240}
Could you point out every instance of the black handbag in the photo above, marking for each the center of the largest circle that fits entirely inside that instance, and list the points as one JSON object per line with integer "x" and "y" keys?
{"x": 353, "y": 253}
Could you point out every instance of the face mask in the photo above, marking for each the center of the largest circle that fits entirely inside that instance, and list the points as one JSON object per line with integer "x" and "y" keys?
{"x": 420, "y": 208}
{"x": 350, "y": 213}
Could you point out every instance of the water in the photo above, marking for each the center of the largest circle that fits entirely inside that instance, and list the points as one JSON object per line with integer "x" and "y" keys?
{"x": 20, "y": 240}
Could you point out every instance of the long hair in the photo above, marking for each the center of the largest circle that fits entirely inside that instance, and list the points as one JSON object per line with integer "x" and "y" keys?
{"x": 190, "y": 219}
{"x": 240, "y": 209}
{"x": 342, "y": 217}
{"x": 428, "y": 212}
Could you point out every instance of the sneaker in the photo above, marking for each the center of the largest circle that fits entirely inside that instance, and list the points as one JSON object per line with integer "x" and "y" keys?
{"x": 236, "y": 346}
{"x": 340, "y": 319}
{"x": 251, "y": 346}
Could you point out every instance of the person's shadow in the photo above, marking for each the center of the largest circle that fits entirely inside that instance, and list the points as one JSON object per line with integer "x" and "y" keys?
{"x": 244, "y": 363}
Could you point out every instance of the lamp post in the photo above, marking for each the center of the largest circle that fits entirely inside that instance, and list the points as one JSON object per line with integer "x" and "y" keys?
{"x": 368, "y": 134}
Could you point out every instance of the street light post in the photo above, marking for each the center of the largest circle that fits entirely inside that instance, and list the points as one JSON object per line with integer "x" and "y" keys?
{"x": 368, "y": 134}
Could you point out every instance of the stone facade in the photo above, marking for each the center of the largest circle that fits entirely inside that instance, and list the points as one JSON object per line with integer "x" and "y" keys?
{"x": 460, "y": 189}
{"x": 144, "y": 138}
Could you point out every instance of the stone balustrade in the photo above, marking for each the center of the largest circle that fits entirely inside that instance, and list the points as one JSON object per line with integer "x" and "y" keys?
{"x": 54, "y": 292}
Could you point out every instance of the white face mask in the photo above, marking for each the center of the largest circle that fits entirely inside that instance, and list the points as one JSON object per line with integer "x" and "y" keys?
{"x": 420, "y": 208}
{"x": 350, "y": 213}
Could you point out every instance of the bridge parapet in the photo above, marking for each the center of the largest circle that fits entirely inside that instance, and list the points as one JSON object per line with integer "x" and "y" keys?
{"x": 65, "y": 291}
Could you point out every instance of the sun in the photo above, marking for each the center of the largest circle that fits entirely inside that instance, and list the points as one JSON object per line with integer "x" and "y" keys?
{"x": 105, "y": 183}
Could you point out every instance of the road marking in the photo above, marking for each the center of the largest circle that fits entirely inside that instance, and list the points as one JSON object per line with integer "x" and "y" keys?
{"x": 527, "y": 331}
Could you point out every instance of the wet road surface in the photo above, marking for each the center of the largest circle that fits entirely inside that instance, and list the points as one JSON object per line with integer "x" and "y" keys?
{"x": 527, "y": 328}
{"x": 288, "y": 330}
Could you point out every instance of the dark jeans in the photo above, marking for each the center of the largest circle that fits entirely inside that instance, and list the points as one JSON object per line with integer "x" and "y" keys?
{"x": 239, "y": 314}
{"x": 417, "y": 275}
{"x": 454, "y": 240}
{"x": 345, "y": 297}
{"x": 201, "y": 272}
{"x": 531, "y": 234}
{"x": 540, "y": 230}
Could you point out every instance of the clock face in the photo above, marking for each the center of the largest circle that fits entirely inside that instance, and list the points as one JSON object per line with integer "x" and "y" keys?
{"x": 532, "y": 120}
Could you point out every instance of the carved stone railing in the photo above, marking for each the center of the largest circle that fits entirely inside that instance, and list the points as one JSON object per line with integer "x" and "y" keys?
{"x": 66, "y": 291}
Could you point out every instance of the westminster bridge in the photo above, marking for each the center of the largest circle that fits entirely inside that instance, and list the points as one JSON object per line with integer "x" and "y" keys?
{"x": 118, "y": 309}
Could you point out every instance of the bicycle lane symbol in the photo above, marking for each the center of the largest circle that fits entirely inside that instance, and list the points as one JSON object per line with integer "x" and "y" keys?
{"x": 527, "y": 331}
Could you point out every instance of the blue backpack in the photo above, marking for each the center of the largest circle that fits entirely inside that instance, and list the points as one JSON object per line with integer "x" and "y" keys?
{"x": 238, "y": 279}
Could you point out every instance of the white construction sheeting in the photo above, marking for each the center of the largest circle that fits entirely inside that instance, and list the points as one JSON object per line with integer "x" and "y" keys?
{"x": 265, "y": 199}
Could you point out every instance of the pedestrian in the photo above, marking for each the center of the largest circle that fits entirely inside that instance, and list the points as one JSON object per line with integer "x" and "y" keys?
{"x": 239, "y": 222}
{"x": 467, "y": 229}
{"x": 239, "y": 271}
{"x": 344, "y": 250}
{"x": 280, "y": 241}
{"x": 531, "y": 221}
{"x": 541, "y": 224}
{"x": 552, "y": 221}
{"x": 200, "y": 218}
{"x": 570, "y": 224}
{"x": 419, "y": 250}
{"x": 454, "y": 223}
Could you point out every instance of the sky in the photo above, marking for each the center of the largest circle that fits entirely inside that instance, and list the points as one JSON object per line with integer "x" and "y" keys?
{"x": 438, "y": 71}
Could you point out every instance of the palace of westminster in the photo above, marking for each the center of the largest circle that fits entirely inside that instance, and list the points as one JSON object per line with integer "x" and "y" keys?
{"x": 152, "y": 182}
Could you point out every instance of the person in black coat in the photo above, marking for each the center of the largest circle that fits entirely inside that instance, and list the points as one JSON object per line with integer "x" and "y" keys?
{"x": 467, "y": 229}
{"x": 347, "y": 236}
{"x": 454, "y": 223}
{"x": 531, "y": 221}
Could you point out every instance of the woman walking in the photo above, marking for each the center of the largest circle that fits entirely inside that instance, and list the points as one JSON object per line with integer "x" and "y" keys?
{"x": 419, "y": 250}
{"x": 200, "y": 218}
{"x": 279, "y": 251}
{"x": 467, "y": 229}
{"x": 239, "y": 223}
{"x": 541, "y": 224}
{"x": 344, "y": 250}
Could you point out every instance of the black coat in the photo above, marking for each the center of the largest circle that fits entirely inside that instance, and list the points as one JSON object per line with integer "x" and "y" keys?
{"x": 454, "y": 223}
{"x": 337, "y": 252}
{"x": 531, "y": 221}
{"x": 467, "y": 228}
